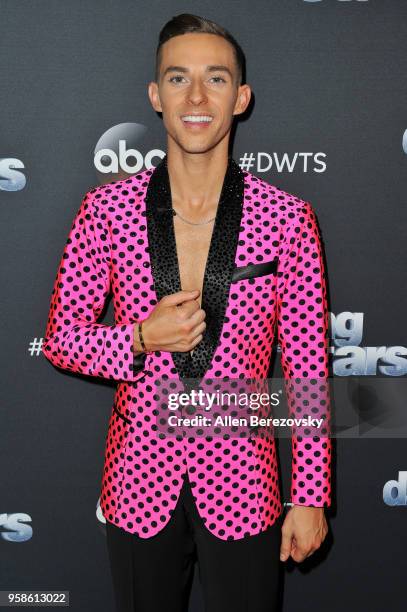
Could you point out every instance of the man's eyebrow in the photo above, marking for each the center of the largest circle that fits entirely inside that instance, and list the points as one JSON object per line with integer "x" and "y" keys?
{"x": 212, "y": 68}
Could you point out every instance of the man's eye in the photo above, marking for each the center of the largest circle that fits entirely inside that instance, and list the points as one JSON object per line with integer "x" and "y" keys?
{"x": 175, "y": 77}
{"x": 221, "y": 78}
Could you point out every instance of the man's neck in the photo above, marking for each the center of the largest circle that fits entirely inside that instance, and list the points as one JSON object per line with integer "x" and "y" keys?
{"x": 196, "y": 180}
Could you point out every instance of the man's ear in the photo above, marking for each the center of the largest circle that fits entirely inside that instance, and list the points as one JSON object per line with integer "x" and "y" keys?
{"x": 154, "y": 96}
{"x": 243, "y": 99}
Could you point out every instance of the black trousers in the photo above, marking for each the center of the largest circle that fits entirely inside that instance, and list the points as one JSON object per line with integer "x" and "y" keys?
{"x": 156, "y": 574}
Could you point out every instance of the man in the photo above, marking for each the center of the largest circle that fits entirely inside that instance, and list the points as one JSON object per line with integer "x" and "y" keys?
{"x": 204, "y": 261}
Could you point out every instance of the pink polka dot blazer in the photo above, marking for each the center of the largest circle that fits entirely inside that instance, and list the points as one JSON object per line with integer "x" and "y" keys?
{"x": 264, "y": 272}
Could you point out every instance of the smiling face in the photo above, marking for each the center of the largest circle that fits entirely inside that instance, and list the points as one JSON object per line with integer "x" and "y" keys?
{"x": 198, "y": 91}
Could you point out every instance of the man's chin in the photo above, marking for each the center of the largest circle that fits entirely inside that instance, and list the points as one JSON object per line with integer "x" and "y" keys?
{"x": 195, "y": 145}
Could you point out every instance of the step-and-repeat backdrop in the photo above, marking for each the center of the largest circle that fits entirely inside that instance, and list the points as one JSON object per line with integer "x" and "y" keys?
{"x": 327, "y": 123}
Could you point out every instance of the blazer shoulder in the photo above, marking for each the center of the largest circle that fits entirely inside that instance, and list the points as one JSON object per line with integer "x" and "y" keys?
{"x": 130, "y": 187}
{"x": 288, "y": 204}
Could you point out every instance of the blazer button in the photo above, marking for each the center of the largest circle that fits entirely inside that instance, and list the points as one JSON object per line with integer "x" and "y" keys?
{"x": 145, "y": 264}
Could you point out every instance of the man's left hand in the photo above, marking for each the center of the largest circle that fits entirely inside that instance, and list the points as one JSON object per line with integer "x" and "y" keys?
{"x": 303, "y": 531}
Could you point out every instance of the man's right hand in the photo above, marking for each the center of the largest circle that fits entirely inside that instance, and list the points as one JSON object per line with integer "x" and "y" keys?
{"x": 176, "y": 323}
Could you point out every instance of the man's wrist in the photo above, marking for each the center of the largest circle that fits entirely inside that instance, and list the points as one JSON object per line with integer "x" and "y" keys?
{"x": 139, "y": 340}
{"x": 137, "y": 348}
{"x": 306, "y": 506}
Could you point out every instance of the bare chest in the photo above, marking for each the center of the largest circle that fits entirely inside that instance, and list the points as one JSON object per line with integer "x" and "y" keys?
{"x": 192, "y": 250}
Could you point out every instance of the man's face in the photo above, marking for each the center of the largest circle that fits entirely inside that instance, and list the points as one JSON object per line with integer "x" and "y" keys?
{"x": 198, "y": 76}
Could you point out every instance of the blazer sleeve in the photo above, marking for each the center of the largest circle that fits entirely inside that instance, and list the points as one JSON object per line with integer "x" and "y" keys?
{"x": 73, "y": 339}
{"x": 302, "y": 322}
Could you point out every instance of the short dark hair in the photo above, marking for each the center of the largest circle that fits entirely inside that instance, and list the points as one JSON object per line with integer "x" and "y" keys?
{"x": 186, "y": 23}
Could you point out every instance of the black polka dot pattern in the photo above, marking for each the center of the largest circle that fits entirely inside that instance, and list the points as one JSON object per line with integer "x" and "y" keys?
{"x": 234, "y": 481}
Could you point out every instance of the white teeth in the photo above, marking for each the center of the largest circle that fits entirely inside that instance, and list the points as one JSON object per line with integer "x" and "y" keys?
{"x": 197, "y": 119}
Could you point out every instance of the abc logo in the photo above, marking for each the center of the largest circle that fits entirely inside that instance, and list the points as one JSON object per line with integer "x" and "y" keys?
{"x": 129, "y": 160}
{"x": 117, "y": 151}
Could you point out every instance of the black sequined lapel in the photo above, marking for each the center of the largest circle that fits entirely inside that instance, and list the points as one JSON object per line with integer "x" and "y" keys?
{"x": 219, "y": 265}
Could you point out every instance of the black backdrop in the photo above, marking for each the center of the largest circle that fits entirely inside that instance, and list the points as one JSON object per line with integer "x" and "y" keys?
{"x": 330, "y": 93}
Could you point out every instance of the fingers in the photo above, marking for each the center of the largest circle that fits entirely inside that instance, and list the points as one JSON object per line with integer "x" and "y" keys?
{"x": 188, "y": 308}
{"x": 173, "y": 299}
{"x": 290, "y": 546}
{"x": 285, "y": 546}
{"x": 177, "y": 322}
{"x": 192, "y": 333}
{"x": 196, "y": 341}
{"x": 300, "y": 554}
{"x": 190, "y": 315}
{"x": 198, "y": 331}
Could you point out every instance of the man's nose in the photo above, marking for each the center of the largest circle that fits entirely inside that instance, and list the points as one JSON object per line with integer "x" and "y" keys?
{"x": 196, "y": 93}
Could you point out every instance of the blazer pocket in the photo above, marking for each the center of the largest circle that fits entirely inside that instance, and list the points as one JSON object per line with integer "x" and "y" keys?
{"x": 254, "y": 270}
